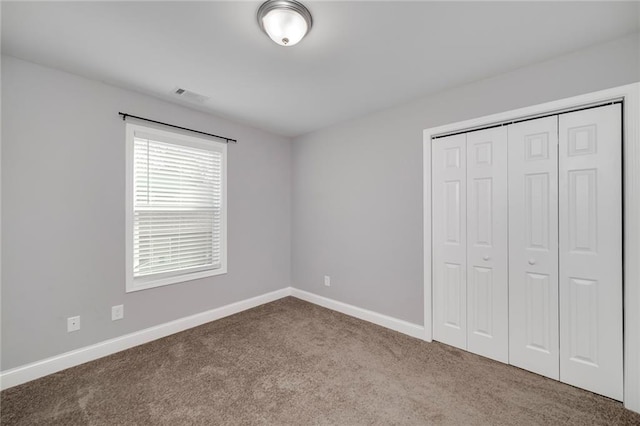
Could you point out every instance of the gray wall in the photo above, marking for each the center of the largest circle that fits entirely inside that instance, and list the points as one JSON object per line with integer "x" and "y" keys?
{"x": 357, "y": 187}
{"x": 63, "y": 213}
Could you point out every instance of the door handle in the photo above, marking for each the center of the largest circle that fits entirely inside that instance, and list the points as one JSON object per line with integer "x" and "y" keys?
{"x": 532, "y": 261}
{"x": 486, "y": 257}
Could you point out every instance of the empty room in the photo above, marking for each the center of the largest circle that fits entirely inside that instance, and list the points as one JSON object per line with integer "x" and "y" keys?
{"x": 283, "y": 212}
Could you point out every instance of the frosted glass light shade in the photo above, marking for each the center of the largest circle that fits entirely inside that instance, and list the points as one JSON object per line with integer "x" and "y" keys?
{"x": 285, "y": 21}
{"x": 285, "y": 27}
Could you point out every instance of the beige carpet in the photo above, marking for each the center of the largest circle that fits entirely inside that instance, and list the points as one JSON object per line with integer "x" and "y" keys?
{"x": 293, "y": 363}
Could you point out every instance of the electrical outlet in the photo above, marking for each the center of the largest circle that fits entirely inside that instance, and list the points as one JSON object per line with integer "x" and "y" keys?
{"x": 117, "y": 312}
{"x": 327, "y": 280}
{"x": 73, "y": 324}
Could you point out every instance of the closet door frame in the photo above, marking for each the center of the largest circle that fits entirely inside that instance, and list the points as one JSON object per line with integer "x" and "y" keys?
{"x": 630, "y": 96}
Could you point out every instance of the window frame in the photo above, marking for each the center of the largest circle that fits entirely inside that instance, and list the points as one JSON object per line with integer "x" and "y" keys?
{"x": 171, "y": 277}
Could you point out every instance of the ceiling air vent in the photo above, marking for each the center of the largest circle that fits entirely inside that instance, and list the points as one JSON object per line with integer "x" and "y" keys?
{"x": 190, "y": 96}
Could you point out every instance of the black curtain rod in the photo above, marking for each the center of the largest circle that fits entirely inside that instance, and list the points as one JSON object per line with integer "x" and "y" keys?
{"x": 125, "y": 115}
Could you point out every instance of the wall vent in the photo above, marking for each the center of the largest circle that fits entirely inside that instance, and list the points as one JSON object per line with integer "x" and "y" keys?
{"x": 189, "y": 95}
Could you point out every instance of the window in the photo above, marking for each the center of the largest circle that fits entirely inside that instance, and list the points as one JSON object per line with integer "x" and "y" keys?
{"x": 176, "y": 207}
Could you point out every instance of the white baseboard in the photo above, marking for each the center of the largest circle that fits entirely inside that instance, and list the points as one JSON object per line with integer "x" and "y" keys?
{"x": 411, "y": 329}
{"x": 35, "y": 370}
{"x": 32, "y": 371}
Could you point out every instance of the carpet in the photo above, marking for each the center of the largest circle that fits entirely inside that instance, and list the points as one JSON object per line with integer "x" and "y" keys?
{"x": 294, "y": 363}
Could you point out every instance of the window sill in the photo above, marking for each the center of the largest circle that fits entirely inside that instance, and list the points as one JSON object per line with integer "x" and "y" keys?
{"x": 137, "y": 284}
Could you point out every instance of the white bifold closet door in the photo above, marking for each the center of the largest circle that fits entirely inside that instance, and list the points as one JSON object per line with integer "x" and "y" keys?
{"x": 533, "y": 246}
{"x": 449, "y": 179}
{"x": 470, "y": 242}
{"x": 590, "y": 217}
{"x": 487, "y": 256}
{"x": 538, "y": 282}
{"x": 565, "y": 248}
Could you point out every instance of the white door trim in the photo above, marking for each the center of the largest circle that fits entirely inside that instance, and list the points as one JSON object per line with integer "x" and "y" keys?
{"x": 631, "y": 182}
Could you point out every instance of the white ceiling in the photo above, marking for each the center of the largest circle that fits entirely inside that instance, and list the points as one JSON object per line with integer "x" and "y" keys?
{"x": 358, "y": 58}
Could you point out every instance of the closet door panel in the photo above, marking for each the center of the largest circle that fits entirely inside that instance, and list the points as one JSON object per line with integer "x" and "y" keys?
{"x": 449, "y": 240}
{"x": 487, "y": 287}
{"x": 533, "y": 248}
{"x": 591, "y": 250}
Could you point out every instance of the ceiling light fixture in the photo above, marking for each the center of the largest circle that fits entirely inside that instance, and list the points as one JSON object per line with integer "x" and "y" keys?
{"x": 285, "y": 21}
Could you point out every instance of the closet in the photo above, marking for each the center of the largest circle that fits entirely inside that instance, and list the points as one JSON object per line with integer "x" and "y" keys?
{"x": 527, "y": 245}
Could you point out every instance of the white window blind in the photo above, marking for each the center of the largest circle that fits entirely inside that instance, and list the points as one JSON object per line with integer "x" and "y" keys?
{"x": 177, "y": 217}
